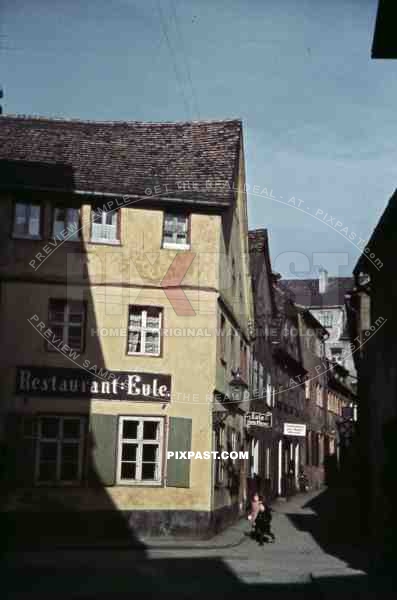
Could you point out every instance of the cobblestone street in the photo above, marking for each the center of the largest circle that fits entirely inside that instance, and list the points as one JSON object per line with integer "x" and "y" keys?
{"x": 230, "y": 563}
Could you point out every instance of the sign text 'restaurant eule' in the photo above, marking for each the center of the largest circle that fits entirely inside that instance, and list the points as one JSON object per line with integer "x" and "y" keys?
{"x": 77, "y": 383}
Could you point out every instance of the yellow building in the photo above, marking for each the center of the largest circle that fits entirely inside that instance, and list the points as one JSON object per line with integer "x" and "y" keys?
{"x": 125, "y": 306}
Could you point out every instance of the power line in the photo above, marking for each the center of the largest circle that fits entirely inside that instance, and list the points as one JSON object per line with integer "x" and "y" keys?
{"x": 173, "y": 58}
{"x": 185, "y": 58}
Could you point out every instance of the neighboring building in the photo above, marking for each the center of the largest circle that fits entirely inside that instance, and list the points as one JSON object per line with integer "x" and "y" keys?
{"x": 342, "y": 421}
{"x": 149, "y": 271}
{"x": 320, "y": 439}
{"x": 263, "y": 372}
{"x": 277, "y": 378}
{"x": 374, "y": 327}
{"x": 325, "y": 297}
{"x": 289, "y": 412}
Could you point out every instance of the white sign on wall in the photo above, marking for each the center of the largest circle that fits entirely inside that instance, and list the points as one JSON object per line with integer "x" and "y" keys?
{"x": 295, "y": 429}
{"x": 259, "y": 419}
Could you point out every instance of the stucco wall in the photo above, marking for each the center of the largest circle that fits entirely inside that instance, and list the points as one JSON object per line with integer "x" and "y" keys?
{"x": 189, "y": 360}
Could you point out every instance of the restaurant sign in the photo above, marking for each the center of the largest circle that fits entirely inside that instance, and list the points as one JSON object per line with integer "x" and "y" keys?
{"x": 108, "y": 385}
{"x": 259, "y": 419}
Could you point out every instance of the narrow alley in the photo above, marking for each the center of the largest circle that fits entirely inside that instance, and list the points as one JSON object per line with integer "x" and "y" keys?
{"x": 300, "y": 562}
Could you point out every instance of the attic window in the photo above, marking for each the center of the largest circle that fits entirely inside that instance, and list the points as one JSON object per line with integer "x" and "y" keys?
{"x": 176, "y": 231}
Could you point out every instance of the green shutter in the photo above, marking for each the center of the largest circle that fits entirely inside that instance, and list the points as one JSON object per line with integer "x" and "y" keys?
{"x": 19, "y": 450}
{"x": 103, "y": 448}
{"x": 12, "y": 440}
{"x": 179, "y": 439}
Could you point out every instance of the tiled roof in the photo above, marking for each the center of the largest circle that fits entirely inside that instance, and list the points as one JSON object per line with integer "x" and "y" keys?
{"x": 306, "y": 291}
{"x": 192, "y": 160}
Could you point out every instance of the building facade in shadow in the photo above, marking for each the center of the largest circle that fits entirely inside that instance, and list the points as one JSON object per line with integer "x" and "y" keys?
{"x": 374, "y": 328}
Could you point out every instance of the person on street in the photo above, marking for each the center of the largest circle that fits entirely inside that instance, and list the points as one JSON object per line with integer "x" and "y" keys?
{"x": 254, "y": 510}
{"x": 262, "y": 523}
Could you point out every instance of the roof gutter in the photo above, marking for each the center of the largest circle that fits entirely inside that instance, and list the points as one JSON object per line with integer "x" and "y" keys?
{"x": 136, "y": 197}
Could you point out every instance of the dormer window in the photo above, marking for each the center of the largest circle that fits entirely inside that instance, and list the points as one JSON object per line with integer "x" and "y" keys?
{"x": 176, "y": 231}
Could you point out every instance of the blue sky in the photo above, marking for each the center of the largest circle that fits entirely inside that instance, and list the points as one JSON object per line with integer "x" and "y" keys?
{"x": 318, "y": 113}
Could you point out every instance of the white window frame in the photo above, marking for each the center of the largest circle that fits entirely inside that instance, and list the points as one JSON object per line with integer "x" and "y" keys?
{"x": 140, "y": 442}
{"x": 144, "y": 329}
{"x": 116, "y": 213}
{"x": 70, "y": 234}
{"x": 175, "y": 245}
{"x": 59, "y": 441}
{"x": 66, "y": 324}
{"x": 27, "y": 235}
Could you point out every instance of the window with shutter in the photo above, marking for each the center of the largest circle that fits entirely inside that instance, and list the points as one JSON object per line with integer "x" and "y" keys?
{"x": 140, "y": 449}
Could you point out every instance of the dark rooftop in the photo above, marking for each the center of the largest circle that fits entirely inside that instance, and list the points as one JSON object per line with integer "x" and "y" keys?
{"x": 194, "y": 161}
{"x": 306, "y": 291}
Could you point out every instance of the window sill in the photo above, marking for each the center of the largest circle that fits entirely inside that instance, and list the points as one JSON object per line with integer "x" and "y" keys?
{"x": 106, "y": 242}
{"x": 140, "y": 483}
{"x": 58, "y": 484}
{"x": 35, "y": 238}
{"x": 143, "y": 354}
{"x": 65, "y": 240}
{"x": 173, "y": 246}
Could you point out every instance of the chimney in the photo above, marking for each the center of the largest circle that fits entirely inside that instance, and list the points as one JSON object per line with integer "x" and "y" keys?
{"x": 323, "y": 280}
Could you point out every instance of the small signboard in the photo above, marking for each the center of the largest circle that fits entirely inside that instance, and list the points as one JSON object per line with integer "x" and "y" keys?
{"x": 259, "y": 419}
{"x": 295, "y": 429}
